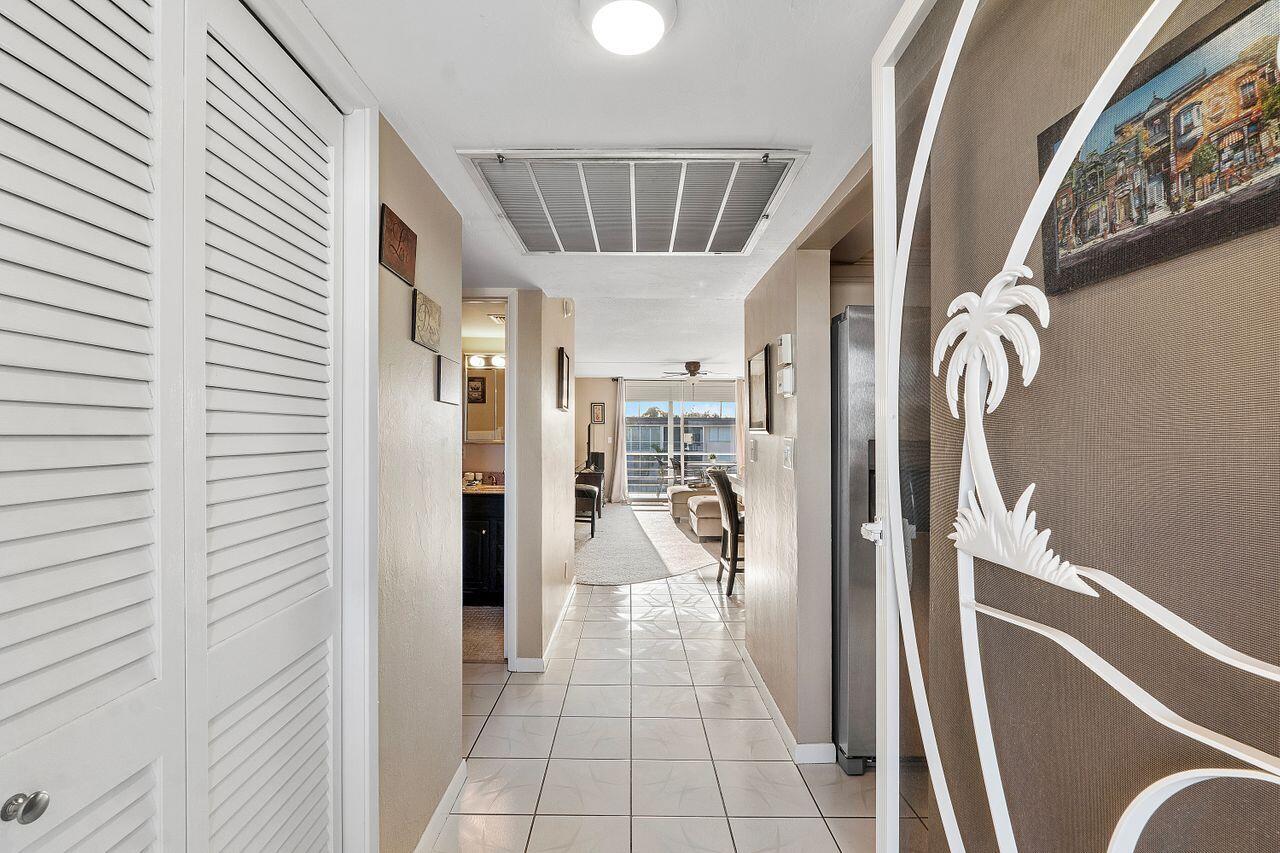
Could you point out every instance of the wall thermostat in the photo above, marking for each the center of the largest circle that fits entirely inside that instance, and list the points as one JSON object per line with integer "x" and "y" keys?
{"x": 784, "y": 348}
{"x": 787, "y": 381}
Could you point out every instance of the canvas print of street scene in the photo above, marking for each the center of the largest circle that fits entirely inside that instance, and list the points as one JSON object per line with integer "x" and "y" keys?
{"x": 1188, "y": 158}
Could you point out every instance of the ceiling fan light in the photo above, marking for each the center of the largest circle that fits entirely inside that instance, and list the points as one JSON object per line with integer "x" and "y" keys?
{"x": 629, "y": 27}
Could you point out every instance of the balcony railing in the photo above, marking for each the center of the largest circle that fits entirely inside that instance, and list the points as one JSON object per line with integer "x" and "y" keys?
{"x": 649, "y": 473}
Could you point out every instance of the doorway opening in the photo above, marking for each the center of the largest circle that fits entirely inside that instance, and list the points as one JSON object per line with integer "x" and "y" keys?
{"x": 484, "y": 480}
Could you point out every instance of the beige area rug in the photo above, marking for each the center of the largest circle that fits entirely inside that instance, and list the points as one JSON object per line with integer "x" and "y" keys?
{"x": 482, "y": 639}
{"x": 638, "y": 544}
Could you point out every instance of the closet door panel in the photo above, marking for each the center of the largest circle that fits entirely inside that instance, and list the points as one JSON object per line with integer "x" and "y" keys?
{"x": 264, "y": 642}
{"x": 91, "y": 579}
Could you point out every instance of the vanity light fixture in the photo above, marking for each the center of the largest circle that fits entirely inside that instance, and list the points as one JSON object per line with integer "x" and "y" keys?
{"x": 475, "y": 361}
{"x": 498, "y": 360}
{"x": 628, "y": 27}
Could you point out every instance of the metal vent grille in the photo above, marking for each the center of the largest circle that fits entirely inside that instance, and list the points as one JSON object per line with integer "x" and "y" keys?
{"x": 686, "y": 203}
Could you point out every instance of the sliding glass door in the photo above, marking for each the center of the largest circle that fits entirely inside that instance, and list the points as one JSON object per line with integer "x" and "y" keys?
{"x": 676, "y": 429}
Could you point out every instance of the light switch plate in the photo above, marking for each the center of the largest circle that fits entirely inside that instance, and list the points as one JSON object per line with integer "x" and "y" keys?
{"x": 789, "y": 453}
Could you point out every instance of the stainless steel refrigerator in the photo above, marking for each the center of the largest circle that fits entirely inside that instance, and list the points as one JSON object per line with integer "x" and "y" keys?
{"x": 853, "y": 485}
{"x": 853, "y": 558}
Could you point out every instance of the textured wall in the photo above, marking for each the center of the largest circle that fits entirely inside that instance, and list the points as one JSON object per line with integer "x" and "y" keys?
{"x": 1151, "y": 429}
{"x": 788, "y": 541}
{"x": 419, "y": 517}
{"x": 557, "y": 469}
{"x": 771, "y": 503}
{"x": 544, "y": 471}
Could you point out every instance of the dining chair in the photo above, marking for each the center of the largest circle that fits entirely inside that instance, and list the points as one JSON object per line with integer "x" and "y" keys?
{"x": 733, "y": 524}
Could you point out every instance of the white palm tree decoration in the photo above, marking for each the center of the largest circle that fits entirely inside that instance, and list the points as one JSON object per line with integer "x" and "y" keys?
{"x": 985, "y": 528}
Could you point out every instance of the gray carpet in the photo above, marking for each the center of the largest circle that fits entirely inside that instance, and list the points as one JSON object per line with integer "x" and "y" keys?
{"x": 634, "y": 545}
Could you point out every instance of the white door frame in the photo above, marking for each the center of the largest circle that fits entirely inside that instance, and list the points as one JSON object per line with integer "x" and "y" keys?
{"x": 511, "y": 492}
{"x": 357, "y": 458}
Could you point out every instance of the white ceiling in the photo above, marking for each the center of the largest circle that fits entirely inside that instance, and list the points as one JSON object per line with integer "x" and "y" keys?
{"x": 468, "y": 74}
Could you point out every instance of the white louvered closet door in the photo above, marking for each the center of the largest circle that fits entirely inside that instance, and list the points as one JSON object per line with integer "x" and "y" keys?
{"x": 263, "y": 581}
{"x": 91, "y": 610}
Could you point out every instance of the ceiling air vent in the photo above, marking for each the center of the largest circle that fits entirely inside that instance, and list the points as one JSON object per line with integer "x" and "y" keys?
{"x": 658, "y": 203}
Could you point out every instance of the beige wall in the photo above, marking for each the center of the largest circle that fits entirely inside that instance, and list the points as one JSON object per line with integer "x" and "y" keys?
{"x": 482, "y": 345}
{"x": 483, "y": 457}
{"x": 588, "y": 391}
{"x": 543, "y": 470}
{"x": 788, "y": 541}
{"x": 851, "y": 284}
{"x": 419, "y": 518}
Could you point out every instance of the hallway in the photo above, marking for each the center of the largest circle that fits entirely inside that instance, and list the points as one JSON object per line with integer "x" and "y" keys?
{"x": 646, "y": 733}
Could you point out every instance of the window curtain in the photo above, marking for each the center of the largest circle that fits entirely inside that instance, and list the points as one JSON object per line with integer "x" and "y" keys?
{"x": 740, "y": 423}
{"x": 619, "y": 492}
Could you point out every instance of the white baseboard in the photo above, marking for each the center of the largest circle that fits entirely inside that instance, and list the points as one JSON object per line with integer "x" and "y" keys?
{"x": 564, "y": 608}
{"x": 441, "y": 814}
{"x": 540, "y": 664}
{"x": 526, "y": 665}
{"x": 814, "y": 753}
{"x": 801, "y": 753}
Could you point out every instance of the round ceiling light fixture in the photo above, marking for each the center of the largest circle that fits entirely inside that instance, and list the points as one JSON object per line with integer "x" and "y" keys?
{"x": 628, "y": 27}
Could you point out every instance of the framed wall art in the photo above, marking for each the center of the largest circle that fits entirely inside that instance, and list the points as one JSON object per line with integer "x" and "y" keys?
{"x": 562, "y": 379}
{"x": 426, "y": 321}
{"x": 758, "y": 372}
{"x": 1186, "y": 156}
{"x": 597, "y": 413}
{"x": 477, "y": 390}
{"x": 398, "y": 246}
{"x": 448, "y": 381}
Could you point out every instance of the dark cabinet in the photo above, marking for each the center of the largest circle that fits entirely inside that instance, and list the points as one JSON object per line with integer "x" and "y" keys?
{"x": 483, "y": 535}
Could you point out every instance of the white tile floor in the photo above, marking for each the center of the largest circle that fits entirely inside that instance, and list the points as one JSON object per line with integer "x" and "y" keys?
{"x": 646, "y": 734}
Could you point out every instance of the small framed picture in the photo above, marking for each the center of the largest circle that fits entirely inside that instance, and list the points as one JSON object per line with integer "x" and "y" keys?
{"x": 562, "y": 383}
{"x": 477, "y": 390}
{"x": 758, "y": 369}
{"x": 448, "y": 381}
{"x": 597, "y": 413}
{"x": 398, "y": 247}
{"x": 426, "y": 321}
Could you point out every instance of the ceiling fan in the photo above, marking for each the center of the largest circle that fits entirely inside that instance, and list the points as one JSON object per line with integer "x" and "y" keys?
{"x": 692, "y": 370}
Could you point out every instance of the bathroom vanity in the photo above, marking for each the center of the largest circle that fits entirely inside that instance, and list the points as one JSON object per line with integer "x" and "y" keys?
{"x": 483, "y": 533}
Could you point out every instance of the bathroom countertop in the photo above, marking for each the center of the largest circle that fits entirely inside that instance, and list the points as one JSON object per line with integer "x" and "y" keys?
{"x": 484, "y": 490}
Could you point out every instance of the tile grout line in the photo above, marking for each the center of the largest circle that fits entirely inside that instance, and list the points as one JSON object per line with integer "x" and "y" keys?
{"x": 685, "y": 590}
{"x": 715, "y": 770}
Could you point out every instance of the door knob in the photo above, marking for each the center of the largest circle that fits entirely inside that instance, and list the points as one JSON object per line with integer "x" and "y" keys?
{"x": 25, "y": 808}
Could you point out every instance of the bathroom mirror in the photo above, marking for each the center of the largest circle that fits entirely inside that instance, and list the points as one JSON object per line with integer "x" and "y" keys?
{"x": 486, "y": 399}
